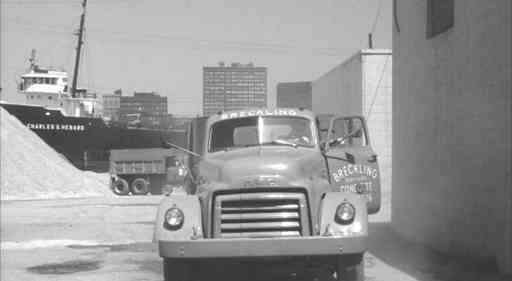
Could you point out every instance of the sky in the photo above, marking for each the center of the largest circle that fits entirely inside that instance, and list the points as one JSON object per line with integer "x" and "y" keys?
{"x": 162, "y": 45}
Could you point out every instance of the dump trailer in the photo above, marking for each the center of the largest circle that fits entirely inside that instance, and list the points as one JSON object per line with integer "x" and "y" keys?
{"x": 264, "y": 185}
{"x": 148, "y": 170}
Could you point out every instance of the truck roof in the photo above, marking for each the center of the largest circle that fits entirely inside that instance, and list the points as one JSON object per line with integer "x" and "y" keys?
{"x": 281, "y": 111}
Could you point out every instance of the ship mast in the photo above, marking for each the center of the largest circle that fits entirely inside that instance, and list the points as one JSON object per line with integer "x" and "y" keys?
{"x": 78, "y": 49}
{"x": 32, "y": 60}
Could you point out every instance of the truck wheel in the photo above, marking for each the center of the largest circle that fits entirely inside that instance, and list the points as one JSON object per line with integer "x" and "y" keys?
{"x": 120, "y": 187}
{"x": 177, "y": 270}
{"x": 350, "y": 268}
{"x": 140, "y": 186}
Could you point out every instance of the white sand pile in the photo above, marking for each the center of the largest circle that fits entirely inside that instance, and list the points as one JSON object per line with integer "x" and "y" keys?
{"x": 30, "y": 169}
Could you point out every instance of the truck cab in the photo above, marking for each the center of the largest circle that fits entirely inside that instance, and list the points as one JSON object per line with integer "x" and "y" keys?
{"x": 262, "y": 183}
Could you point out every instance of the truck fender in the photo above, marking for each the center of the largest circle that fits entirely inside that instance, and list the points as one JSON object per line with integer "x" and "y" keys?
{"x": 327, "y": 213}
{"x": 192, "y": 226}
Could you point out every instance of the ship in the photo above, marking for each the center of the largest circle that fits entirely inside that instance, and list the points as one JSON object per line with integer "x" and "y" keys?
{"x": 69, "y": 119}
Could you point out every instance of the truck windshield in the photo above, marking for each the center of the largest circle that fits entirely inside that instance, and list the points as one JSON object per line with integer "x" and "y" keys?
{"x": 262, "y": 130}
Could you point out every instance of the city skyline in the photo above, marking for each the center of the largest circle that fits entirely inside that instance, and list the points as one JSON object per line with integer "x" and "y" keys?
{"x": 162, "y": 46}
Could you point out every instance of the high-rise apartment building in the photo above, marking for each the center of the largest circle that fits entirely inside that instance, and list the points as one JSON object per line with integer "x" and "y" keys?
{"x": 233, "y": 87}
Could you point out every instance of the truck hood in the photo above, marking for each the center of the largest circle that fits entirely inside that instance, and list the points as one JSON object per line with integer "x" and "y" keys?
{"x": 283, "y": 163}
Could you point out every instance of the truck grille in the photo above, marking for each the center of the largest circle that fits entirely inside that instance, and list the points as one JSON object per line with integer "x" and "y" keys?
{"x": 261, "y": 214}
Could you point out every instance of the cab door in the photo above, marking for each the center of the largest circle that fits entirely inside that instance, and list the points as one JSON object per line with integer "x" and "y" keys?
{"x": 352, "y": 163}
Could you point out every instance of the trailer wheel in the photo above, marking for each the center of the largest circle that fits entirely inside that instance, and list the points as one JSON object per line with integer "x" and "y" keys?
{"x": 350, "y": 268}
{"x": 177, "y": 270}
{"x": 120, "y": 187}
{"x": 140, "y": 186}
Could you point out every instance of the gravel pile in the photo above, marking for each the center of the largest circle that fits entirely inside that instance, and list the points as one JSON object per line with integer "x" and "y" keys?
{"x": 30, "y": 169}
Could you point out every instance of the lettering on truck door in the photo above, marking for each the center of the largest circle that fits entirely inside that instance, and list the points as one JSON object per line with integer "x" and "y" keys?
{"x": 352, "y": 162}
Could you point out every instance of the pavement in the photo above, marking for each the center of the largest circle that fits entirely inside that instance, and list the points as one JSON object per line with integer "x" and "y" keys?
{"x": 111, "y": 239}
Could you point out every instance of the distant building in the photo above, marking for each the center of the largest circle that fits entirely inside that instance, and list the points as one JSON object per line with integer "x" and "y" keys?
{"x": 233, "y": 87}
{"x": 111, "y": 105}
{"x": 180, "y": 122}
{"x": 143, "y": 110}
{"x": 294, "y": 94}
{"x": 140, "y": 102}
{"x": 452, "y": 147}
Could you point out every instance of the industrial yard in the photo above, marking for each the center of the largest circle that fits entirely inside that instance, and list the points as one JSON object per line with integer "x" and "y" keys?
{"x": 84, "y": 232}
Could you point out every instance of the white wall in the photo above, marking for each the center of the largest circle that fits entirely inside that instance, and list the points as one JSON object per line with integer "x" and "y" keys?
{"x": 339, "y": 90}
{"x": 452, "y": 130}
{"x": 377, "y": 79}
{"x": 361, "y": 85}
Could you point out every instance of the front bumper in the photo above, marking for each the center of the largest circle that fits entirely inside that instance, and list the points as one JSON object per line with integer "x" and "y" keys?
{"x": 262, "y": 247}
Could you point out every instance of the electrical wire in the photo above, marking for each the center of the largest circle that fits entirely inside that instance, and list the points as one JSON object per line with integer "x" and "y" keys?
{"x": 62, "y": 2}
{"x": 196, "y": 44}
{"x": 377, "y": 15}
{"x": 395, "y": 16}
{"x": 377, "y": 88}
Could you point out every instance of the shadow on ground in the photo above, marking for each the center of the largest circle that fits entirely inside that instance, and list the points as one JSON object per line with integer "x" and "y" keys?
{"x": 425, "y": 264}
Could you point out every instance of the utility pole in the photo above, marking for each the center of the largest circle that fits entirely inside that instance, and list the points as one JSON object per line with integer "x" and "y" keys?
{"x": 78, "y": 49}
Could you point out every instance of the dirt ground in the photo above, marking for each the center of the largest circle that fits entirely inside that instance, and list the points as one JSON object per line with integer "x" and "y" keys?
{"x": 111, "y": 239}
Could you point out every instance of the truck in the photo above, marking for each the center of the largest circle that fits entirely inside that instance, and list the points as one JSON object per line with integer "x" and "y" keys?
{"x": 146, "y": 170}
{"x": 272, "y": 185}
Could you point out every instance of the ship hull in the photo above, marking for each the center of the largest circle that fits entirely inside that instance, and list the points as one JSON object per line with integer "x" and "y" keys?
{"x": 85, "y": 141}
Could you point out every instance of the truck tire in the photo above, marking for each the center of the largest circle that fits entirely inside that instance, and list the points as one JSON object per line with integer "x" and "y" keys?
{"x": 177, "y": 270}
{"x": 120, "y": 187}
{"x": 350, "y": 268}
{"x": 140, "y": 186}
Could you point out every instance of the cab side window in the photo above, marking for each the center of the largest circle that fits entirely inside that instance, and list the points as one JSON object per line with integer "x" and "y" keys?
{"x": 349, "y": 131}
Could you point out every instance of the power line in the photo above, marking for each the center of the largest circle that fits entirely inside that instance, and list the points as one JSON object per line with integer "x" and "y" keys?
{"x": 370, "y": 35}
{"x": 64, "y": 2}
{"x": 38, "y": 3}
{"x": 377, "y": 15}
{"x": 377, "y": 88}
{"x": 198, "y": 43}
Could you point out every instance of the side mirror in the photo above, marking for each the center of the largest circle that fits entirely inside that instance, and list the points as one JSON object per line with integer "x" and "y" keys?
{"x": 358, "y": 133}
{"x": 323, "y": 146}
{"x": 350, "y": 158}
{"x": 165, "y": 144}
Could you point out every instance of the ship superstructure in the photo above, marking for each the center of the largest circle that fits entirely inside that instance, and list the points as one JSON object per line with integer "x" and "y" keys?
{"x": 48, "y": 88}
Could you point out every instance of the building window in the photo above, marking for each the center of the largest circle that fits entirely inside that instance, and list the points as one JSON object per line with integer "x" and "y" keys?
{"x": 440, "y": 16}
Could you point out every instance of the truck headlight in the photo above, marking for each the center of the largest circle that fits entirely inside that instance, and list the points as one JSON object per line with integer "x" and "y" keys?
{"x": 345, "y": 213}
{"x": 174, "y": 218}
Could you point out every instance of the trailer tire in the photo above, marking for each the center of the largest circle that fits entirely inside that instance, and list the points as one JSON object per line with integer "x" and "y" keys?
{"x": 120, "y": 187}
{"x": 350, "y": 268}
{"x": 140, "y": 186}
{"x": 177, "y": 270}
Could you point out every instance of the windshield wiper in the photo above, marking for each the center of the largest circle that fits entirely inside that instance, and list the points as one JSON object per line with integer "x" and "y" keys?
{"x": 345, "y": 137}
{"x": 229, "y": 148}
{"x": 281, "y": 142}
{"x": 273, "y": 142}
